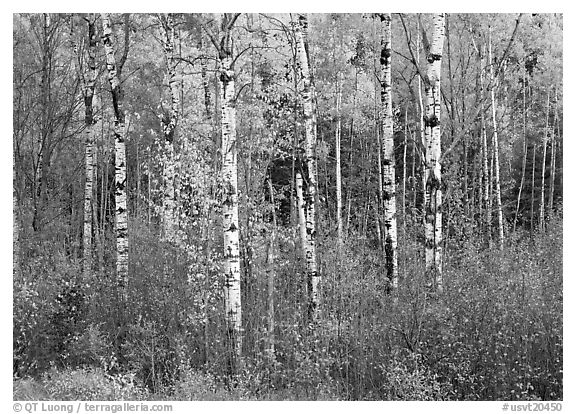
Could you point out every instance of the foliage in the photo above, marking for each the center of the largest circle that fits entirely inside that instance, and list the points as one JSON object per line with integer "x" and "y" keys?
{"x": 79, "y": 384}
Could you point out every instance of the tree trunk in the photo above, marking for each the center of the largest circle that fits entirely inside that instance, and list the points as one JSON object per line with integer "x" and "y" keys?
{"x": 421, "y": 123}
{"x": 338, "y": 162}
{"x": 90, "y": 121}
{"x": 271, "y": 274}
{"x": 544, "y": 145}
{"x": 168, "y": 125}
{"x": 533, "y": 187}
{"x": 432, "y": 173}
{"x": 308, "y": 102}
{"x": 553, "y": 157}
{"x": 205, "y": 81}
{"x": 40, "y": 196}
{"x": 230, "y": 220}
{"x": 301, "y": 213}
{"x": 350, "y": 157}
{"x": 381, "y": 228}
{"x": 229, "y": 202}
{"x": 485, "y": 169}
{"x": 388, "y": 158}
{"x": 15, "y": 223}
{"x": 120, "y": 160}
{"x": 525, "y": 153}
{"x": 495, "y": 148}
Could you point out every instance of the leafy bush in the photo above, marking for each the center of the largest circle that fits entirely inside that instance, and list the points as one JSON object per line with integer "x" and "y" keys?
{"x": 80, "y": 384}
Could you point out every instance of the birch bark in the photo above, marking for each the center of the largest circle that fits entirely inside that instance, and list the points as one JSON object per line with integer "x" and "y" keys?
{"x": 338, "y": 162}
{"x": 90, "y": 121}
{"x": 496, "y": 147}
{"x": 525, "y": 153}
{"x": 553, "y": 157}
{"x": 388, "y": 159}
{"x": 308, "y": 103}
{"x": 544, "y": 144}
{"x": 233, "y": 307}
{"x": 229, "y": 176}
{"x": 169, "y": 126}
{"x": 121, "y": 216}
{"x": 432, "y": 172}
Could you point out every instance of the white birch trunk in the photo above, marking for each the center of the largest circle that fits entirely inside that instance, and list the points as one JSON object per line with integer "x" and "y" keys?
{"x": 544, "y": 144}
{"x": 121, "y": 216}
{"x": 553, "y": 157}
{"x": 388, "y": 159}
{"x": 308, "y": 103}
{"x": 485, "y": 169}
{"x": 169, "y": 127}
{"x": 15, "y": 222}
{"x": 271, "y": 276}
{"x": 338, "y": 163}
{"x": 232, "y": 297}
{"x": 421, "y": 123}
{"x": 525, "y": 153}
{"x": 432, "y": 172}
{"x": 90, "y": 121}
{"x": 496, "y": 149}
{"x": 301, "y": 213}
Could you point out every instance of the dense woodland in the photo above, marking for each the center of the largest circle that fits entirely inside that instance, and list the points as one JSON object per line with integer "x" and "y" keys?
{"x": 254, "y": 206}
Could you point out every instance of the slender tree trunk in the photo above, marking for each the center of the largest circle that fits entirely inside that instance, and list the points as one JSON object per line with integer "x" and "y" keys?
{"x": 168, "y": 125}
{"x": 544, "y": 145}
{"x": 271, "y": 274}
{"x": 421, "y": 122}
{"x": 524, "y": 154}
{"x": 496, "y": 149}
{"x": 295, "y": 142}
{"x": 350, "y": 157}
{"x": 40, "y": 196}
{"x": 485, "y": 169}
{"x": 205, "y": 80}
{"x": 301, "y": 213}
{"x": 338, "y": 164}
{"x": 404, "y": 172}
{"x": 533, "y": 187}
{"x": 432, "y": 173}
{"x": 15, "y": 223}
{"x": 90, "y": 131}
{"x": 553, "y": 157}
{"x": 308, "y": 102}
{"x": 413, "y": 174}
{"x": 388, "y": 158}
{"x": 120, "y": 160}
{"x": 377, "y": 127}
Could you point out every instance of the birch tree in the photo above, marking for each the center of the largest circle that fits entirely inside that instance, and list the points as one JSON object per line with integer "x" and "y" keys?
{"x": 229, "y": 175}
{"x": 271, "y": 275}
{"x": 338, "y": 162}
{"x": 309, "y": 104}
{"x": 388, "y": 159}
{"x": 301, "y": 213}
{"x": 120, "y": 129}
{"x": 495, "y": 146}
{"x": 544, "y": 144}
{"x": 89, "y": 84}
{"x": 432, "y": 171}
{"x": 524, "y": 153}
{"x": 553, "y": 157}
{"x": 169, "y": 124}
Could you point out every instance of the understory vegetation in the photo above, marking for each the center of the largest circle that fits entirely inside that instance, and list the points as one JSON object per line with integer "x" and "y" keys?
{"x": 496, "y": 333}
